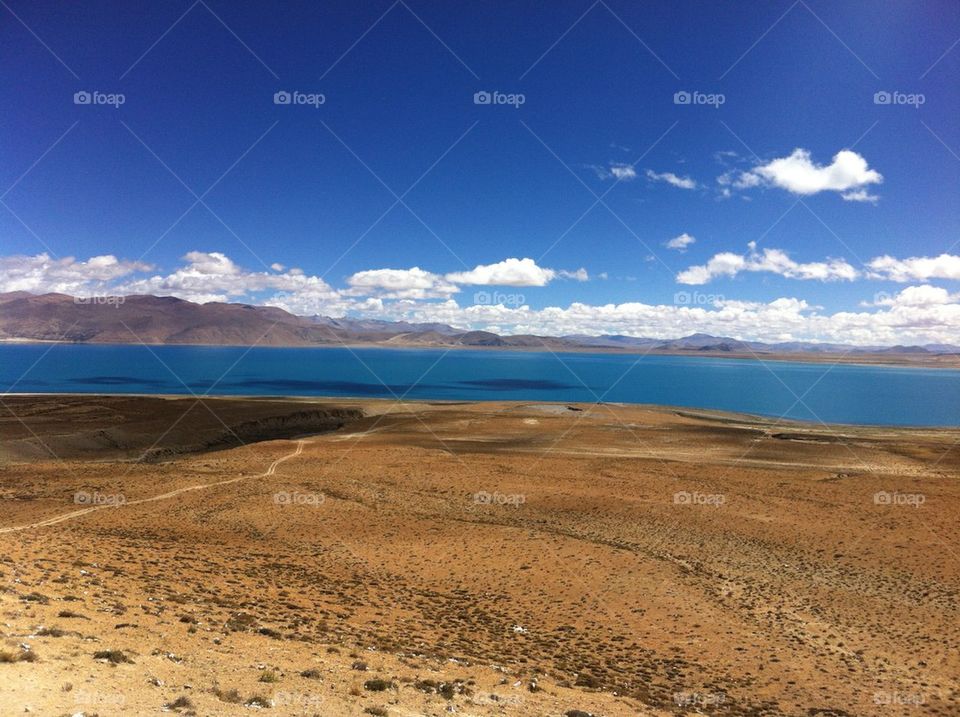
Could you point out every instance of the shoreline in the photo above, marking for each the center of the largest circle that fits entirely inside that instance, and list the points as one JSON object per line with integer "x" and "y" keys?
{"x": 937, "y": 361}
{"x": 717, "y": 415}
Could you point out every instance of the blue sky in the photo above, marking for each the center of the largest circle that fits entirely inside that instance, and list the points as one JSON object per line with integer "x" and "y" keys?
{"x": 316, "y": 188}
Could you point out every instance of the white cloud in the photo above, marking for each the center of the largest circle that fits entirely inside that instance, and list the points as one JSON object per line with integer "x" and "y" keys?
{"x": 924, "y": 295}
{"x": 509, "y": 272}
{"x": 414, "y": 283}
{"x": 671, "y": 178}
{"x": 623, "y": 172}
{"x": 42, "y": 274}
{"x": 797, "y": 173}
{"x": 783, "y": 319}
{"x": 859, "y": 195}
{"x": 681, "y": 242}
{"x": 917, "y": 268}
{"x": 775, "y": 261}
{"x": 578, "y": 275}
{"x": 917, "y": 314}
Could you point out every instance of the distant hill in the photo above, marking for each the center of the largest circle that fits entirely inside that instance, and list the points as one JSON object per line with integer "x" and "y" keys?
{"x": 168, "y": 320}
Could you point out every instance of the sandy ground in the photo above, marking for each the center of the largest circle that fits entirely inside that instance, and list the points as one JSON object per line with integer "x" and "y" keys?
{"x": 473, "y": 559}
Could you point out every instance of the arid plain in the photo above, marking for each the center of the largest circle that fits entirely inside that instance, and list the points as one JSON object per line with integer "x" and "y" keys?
{"x": 372, "y": 557}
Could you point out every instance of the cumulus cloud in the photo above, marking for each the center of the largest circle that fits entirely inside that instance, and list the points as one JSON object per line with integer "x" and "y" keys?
{"x": 775, "y": 261}
{"x": 509, "y": 272}
{"x": 783, "y": 319}
{"x": 42, "y": 274}
{"x": 917, "y": 268}
{"x": 414, "y": 283}
{"x": 917, "y": 314}
{"x": 848, "y": 173}
{"x": 681, "y": 242}
{"x": 671, "y": 178}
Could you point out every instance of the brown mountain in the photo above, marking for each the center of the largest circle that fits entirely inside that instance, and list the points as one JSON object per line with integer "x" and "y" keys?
{"x": 154, "y": 320}
{"x": 168, "y": 320}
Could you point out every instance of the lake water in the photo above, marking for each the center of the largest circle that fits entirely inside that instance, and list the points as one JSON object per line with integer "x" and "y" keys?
{"x": 805, "y": 391}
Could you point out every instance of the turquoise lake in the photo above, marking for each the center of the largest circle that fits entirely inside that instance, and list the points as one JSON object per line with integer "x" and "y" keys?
{"x": 880, "y": 395}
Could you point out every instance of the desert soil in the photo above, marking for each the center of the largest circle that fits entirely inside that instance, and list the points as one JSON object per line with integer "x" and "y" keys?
{"x": 317, "y": 557}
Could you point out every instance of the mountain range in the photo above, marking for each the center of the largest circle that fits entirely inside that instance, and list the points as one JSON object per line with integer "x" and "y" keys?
{"x": 169, "y": 320}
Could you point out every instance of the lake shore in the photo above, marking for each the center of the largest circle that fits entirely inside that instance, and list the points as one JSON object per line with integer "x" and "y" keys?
{"x": 533, "y": 558}
{"x": 853, "y": 358}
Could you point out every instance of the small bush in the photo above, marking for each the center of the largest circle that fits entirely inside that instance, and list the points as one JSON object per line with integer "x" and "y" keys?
{"x": 229, "y": 696}
{"x": 258, "y": 701}
{"x": 115, "y": 656}
{"x": 377, "y": 685}
{"x": 182, "y": 702}
{"x": 269, "y": 676}
{"x": 7, "y": 656}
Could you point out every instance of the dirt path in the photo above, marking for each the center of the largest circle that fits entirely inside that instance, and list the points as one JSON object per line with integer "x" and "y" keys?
{"x": 163, "y": 496}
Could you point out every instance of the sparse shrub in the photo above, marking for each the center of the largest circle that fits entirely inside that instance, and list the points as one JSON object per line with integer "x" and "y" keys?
{"x": 269, "y": 676}
{"x": 7, "y": 656}
{"x": 115, "y": 656}
{"x": 229, "y": 696}
{"x": 360, "y": 666}
{"x": 377, "y": 685}
{"x": 258, "y": 701}
{"x": 182, "y": 702}
{"x": 241, "y": 621}
{"x": 376, "y": 711}
{"x": 71, "y": 613}
{"x": 311, "y": 674}
{"x": 51, "y": 632}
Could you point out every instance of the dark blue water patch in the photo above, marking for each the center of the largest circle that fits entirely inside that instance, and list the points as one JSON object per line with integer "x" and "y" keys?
{"x": 118, "y": 381}
{"x": 518, "y": 384}
{"x": 847, "y": 393}
{"x": 345, "y": 388}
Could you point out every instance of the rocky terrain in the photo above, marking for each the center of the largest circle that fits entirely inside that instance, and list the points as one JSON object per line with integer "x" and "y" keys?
{"x": 475, "y": 559}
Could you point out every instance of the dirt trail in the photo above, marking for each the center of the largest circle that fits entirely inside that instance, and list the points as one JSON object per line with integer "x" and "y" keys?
{"x": 163, "y": 496}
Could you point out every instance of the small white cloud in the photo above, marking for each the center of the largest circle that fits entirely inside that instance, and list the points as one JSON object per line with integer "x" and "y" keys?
{"x": 623, "y": 172}
{"x": 509, "y": 272}
{"x": 671, "y": 178}
{"x": 578, "y": 275}
{"x": 414, "y": 283}
{"x": 680, "y": 243}
{"x": 848, "y": 173}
